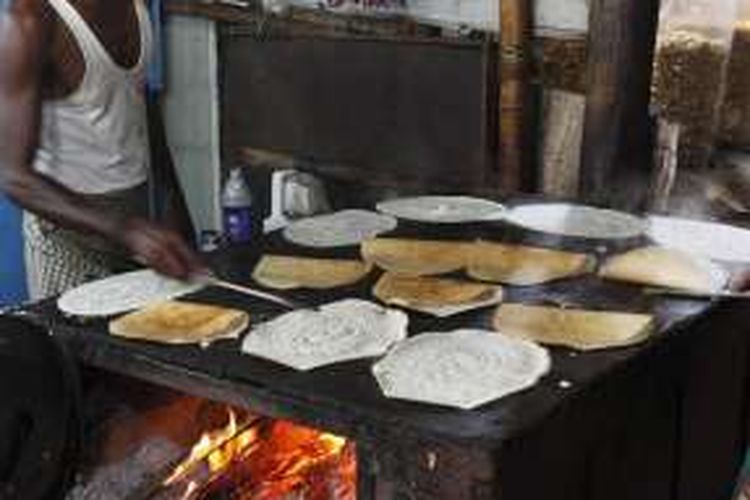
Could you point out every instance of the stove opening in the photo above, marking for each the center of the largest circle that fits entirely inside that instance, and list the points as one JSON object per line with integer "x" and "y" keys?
{"x": 264, "y": 459}
{"x": 186, "y": 448}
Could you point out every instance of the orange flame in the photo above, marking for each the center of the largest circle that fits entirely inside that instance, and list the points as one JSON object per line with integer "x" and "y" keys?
{"x": 300, "y": 460}
{"x": 216, "y": 447}
{"x": 273, "y": 462}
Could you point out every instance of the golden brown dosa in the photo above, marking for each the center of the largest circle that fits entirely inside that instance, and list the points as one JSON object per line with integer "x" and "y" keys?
{"x": 175, "y": 322}
{"x": 523, "y": 265}
{"x": 431, "y": 292}
{"x": 415, "y": 257}
{"x": 287, "y": 272}
{"x": 656, "y": 266}
{"x": 579, "y": 329}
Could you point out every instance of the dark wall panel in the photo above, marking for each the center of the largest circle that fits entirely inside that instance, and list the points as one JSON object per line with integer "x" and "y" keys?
{"x": 414, "y": 110}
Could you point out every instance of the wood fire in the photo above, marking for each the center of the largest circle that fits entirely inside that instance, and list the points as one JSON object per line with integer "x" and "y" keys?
{"x": 263, "y": 459}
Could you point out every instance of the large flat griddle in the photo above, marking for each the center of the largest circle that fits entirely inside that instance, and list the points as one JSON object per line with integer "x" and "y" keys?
{"x": 343, "y": 397}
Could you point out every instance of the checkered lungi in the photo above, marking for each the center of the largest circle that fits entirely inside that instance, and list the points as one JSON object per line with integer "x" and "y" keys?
{"x": 58, "y": 259}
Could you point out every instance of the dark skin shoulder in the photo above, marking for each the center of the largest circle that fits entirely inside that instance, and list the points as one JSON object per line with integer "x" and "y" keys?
{"x": 35, "y": 66}
{"x": 114, "y": 23}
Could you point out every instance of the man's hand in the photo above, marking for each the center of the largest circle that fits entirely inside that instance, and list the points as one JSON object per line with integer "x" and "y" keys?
{"x": 161, "y": 249}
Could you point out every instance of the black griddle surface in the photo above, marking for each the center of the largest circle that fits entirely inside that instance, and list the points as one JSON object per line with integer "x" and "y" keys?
{"x": 345, "y": 397}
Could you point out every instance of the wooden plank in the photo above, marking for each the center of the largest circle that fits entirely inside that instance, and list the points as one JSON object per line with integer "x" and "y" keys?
{"x": 515, "y": 159}
{"x": 302, "y": 20}
{"x": 616, "y": 151}
{"x": 560, "y": 153}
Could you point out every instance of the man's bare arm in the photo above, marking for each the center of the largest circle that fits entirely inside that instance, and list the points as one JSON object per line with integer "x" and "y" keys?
{"x": 24, "y": 31}
{"x": 24, "y": 35}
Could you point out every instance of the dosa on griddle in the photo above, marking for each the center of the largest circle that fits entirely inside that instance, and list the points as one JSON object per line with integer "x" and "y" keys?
{"x": 287, "y": 272}
{"x": 523, "y": 265}
{"x": 415, "y": 257}
{"x": 438, "y": 296}
{"x": 175, "y": 322}
{"x": 656, "y": 266}
{"x": 579, "y": 329}
{"x": 463, "y": 368}
{"x": 345, "y": 330}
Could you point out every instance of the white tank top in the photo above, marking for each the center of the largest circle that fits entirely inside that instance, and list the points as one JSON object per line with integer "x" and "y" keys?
{"x": 95, "y": 140}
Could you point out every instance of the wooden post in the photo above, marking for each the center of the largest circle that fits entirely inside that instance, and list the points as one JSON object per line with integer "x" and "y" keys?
{"x": 516, "y": 155}
{"x": 616, "y": 151}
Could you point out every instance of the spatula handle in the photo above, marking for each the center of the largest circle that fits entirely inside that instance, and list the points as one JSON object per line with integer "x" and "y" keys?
{"x": 228, "y": 285}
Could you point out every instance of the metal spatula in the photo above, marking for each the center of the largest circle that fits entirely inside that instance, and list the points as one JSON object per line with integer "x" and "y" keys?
{"x": 211, "y": 280}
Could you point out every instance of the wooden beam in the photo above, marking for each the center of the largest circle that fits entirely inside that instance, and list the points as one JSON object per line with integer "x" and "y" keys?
{"x": 516, "y": 157}
{"x": 616, "y": 150}
{"x": 300, "y": 20}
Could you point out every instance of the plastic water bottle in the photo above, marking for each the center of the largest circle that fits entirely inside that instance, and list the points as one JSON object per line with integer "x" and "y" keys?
{"x": 237, "y": 208}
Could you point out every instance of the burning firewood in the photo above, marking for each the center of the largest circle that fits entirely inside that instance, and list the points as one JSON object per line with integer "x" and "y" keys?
{"x": 263, "y": 459}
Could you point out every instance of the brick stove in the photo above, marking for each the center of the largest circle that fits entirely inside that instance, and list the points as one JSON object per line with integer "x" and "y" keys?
{"x": 634, "y": 423}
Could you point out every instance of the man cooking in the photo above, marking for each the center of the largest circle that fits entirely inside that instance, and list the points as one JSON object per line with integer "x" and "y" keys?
{"x": 74, "y": 143}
